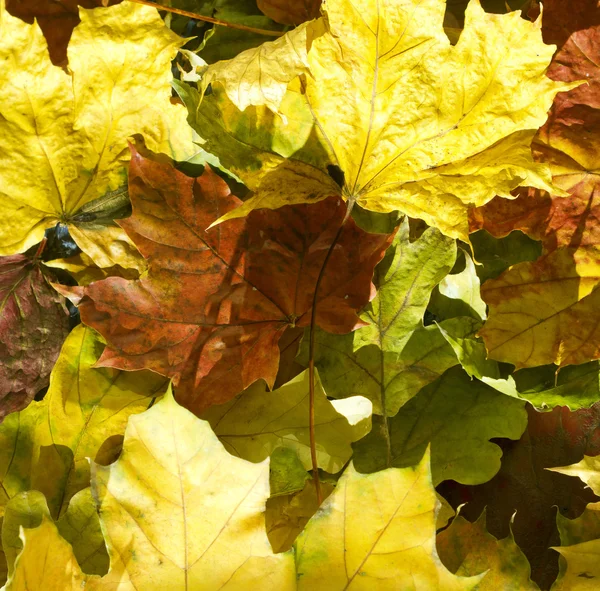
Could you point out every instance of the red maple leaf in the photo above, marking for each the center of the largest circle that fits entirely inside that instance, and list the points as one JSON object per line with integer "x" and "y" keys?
{"x": 211, "y": 309}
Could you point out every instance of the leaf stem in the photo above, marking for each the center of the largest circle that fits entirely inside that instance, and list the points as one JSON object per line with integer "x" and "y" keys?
{"x": 209, "y": 19}
{"x": 311, "y": 358}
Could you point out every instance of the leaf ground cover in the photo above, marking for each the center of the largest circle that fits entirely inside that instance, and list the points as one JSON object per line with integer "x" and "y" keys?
{"x": 336, "y": 267}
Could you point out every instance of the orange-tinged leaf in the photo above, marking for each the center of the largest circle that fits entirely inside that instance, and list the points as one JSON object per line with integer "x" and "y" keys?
{"x": 545, "y": 312}
{"x": 33, "y": 324}
{"x": 213, "y": 305}
{"x": 560, "y": 19}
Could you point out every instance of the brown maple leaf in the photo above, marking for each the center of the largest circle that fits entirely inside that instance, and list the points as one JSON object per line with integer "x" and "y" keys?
{"x": 556, "y": 438}
{"x": 214, "y": 304}
{"x": 33, "y": 325}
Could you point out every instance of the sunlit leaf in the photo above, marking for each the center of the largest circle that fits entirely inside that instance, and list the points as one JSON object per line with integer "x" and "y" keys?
{"x": 374, "y": 531}
{"x": 385, "y": 106}
{"x": 64, "y": 133}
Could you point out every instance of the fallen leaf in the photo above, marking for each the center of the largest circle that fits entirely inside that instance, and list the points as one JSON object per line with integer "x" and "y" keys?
{"x": 457, "y": 417}
{"x": 384, "y": 106}
{"x": 354, "y": 543}
{"x": 256, "y": 422}
{"x": 260, "y": 76}
{"x": 65, "y": 134}
{"x": 287, "y": 515}
{"x": 574, "y": 386}
{"x": 83, "y": 415}
{"x": 173, "y": 470}
{"x": 391, "y": 358}
{"x": 79, "y": 525}
{"x": 524, "y": 485}
{"x": 34, "y": 322}
{"x": 290, "y": 12}
{"x": 467, "y": 549}
{"x": 57, "y": 571}
{"x": 56, "y": 20}
{"x": 213, "y": 305}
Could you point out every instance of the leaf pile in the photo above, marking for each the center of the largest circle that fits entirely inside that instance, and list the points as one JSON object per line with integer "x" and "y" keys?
{"x": 339, "y": 329}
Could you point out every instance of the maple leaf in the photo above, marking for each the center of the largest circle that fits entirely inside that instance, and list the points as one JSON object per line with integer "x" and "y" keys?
{"x": 256, "y": 422}
{"x": 518, "y": 330}
{"x": 560, "y": 20}
{"x": 33, "y": 324}
{"x": 46, "y": 446}
{"x": 56, "y": 20}
{"x": 524, "y": 485}
{"x": 454, "y": 415}
{"x": 290, "y": 12}
{"x": 391, "y": 358}
{"x": 64, "y": 134}
{"x": 384, "y": 106}
{"x": 468, "y": 549}
{"x": 575, "y": 386}
{"x": 213, "y": 304}
{"x": 260, "y": 76}
{"x": 79, "y": 525}
{"x": 61, "y": 572}
{"x": 352, "y": 544}
{"x": 580, "y": 538}
{"x": 174, "y": 468}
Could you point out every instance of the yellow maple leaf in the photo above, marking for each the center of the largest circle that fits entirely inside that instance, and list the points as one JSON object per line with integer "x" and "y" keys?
{"x": 63, "y": 135}
{"x": 413, "y": 123}
{"x": 376, "y": 532}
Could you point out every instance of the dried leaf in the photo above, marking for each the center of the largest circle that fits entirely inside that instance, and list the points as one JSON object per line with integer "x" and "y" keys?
{"x": 213, "y": 305}
{"x": 33, "y": 325}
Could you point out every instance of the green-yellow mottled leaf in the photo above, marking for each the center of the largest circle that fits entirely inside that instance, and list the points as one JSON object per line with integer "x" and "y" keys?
{"x": 468, "y": 549}
{"x": 83, "y": 415}
{"x": 459, "y": 294}
{"x": 394, "y": 356}
{"x": 414, "y": 123}
{"x": 64, "y": 134}
{"x": 575, "y": 386}
{"x": 260, "y": 76}
{"x": 457, "y": 417}
{"x": 79, "y": 525}
{"x": 163, "y": 502}
{"x": 582, "y": 571}
{"x": 47, "y": 563}
{"x": 461, "y": 335}
{"x": 376, "y": 532}
{"x": 255, "y": 423}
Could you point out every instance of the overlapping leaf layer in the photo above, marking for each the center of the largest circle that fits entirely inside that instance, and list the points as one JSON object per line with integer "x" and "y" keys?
{"x": 336, "y": 328}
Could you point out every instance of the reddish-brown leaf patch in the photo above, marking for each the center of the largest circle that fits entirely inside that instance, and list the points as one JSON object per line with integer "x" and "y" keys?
{"x": 290, "y": 12}
{"x": 214, "y": 303}
{"x": 556, "y": 438}
{"x": 33, "y": 325}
